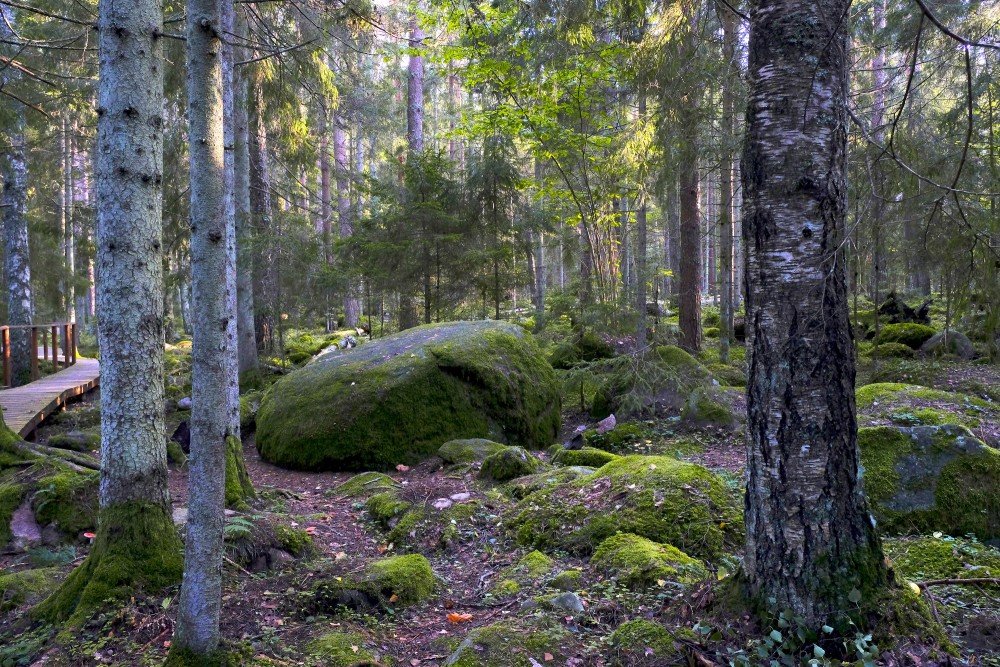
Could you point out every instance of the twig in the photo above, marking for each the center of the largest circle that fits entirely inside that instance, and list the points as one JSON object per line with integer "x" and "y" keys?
{"x": 946, "y": 582}
{"x": 238, "y": 566}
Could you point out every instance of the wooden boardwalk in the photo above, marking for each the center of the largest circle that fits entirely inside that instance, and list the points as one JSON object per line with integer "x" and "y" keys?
{"x": 25, "y": 407}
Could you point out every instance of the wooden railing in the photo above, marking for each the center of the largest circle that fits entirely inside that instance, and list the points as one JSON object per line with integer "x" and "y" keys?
{"x": 44, "y": 334}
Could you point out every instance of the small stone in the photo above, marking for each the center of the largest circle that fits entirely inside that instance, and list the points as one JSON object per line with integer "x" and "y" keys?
{"x": 441, "y": 504}
{"x": 571, "y": 602}
{"x": 607, "y": 424}
{"x": 180, "y": 516}
{"x": 278, "y": 557}
{"x": 184, "y": 403}
{"x": 460, "y": 497}
{"x": 23, "y": 526}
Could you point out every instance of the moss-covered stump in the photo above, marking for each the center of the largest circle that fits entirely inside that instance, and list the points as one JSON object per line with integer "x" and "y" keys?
{"x": 927, "y": 557}
{"x": 468, "y": 450}
{"x": 639, "y": 562}
{"x": 137, "y": 548}
{"x": 27, "y": 586}
{"x": 931, "y": 478}
{"x": 397, "y": 399}
{"x": 656, "y": 497}
{"x": 643, "y": 642}
{"x": 394, "y": 582}
{"x": 512, "y": 644}
{"x": 907, "y": 333}
{"x": 341, "y": 649}
{"x": 507, "y": 464}
{"x": 364, "y": 485}
{"x": 590, "y": 457}
{"x": 527, "y": 572}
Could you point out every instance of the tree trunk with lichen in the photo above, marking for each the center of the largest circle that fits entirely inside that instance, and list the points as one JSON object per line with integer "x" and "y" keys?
{"x": 247, "y": 343}
{"x": 810, "y": 540}
{"x": 136, "y": 544}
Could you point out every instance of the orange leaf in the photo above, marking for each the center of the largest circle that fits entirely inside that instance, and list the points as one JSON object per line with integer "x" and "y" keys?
{"x": 548, "y": 657}
{"x": 393, "y": 597}
{"x": 459, "y": 618}
{"x": 310, "y": 530}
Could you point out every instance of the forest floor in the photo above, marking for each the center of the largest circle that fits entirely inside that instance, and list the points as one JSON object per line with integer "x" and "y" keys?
{"x": 269, "y": 613}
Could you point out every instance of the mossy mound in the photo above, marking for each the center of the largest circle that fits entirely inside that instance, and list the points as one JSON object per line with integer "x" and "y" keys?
{"x": 926, "y": 557}
{"x": 931, "y": 478}
{"x": 642, "y": 642}
{"x": 512, "y": 644}
{"x": 906, "y": 333}
{"x": 708, "y": 405}
{"x": 341, "y": 649}
{"x": 27, "y": 586}
{"x": 618, "y": 440}
{"x": 728, "y": 376}
{"x": 507, "y": 464}
{"x": 428, "y": 529}
{"x": 891, "y": 351}
{"x": 249, "y": 405}
{"x": 680, "y": 361}
{"x": 397, "y": 399}
{"x": 524, "y": 486}
{"x": 395, "y": 582}
{"x": 67, "y": 500}
{"x": 527, "y": 572}
{"x": 11, "y": 496}
{"x": 77, "y": 441}
{"x": 656, "y": 497}
{"x": 639, "y": 562}
{"x": 883, "y": 404}
{"x": 587, "y": 346}
{"x": 387, "y": 508}
{"x": 587, "y": 456}
{"x": 567, "y": 580}
{"x": 364, "y": 485}
{"x": 469, "y": 450}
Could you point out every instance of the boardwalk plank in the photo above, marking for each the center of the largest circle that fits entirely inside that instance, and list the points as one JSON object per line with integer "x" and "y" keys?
{"x": 25, "y": 407}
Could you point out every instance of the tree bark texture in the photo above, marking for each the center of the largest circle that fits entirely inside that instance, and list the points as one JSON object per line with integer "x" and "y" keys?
{"x": 197, "y": 629}
{"x": 265, "y": 280}
{"x": 729, "y": 38}
{"x": 689, "y": 281}
{"x": 342, "y": 167}
{"x": 810, "y": 539}
{"x": 245, "y": 330}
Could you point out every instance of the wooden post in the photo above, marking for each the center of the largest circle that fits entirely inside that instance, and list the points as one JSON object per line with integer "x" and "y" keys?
{"x": 45, "y": 345}
{"x": 67, "y": 342}
{"x": 73, "y": 341}
{"x": 55, "y": 348}
{"x": 6, "y": 356}
{"x": 34, "y": 353}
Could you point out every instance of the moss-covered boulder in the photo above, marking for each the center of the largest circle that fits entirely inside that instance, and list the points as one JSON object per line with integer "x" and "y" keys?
{"x": 507, "y": 464}
{"x": 586, "y": 346}
{"x": 513, "y": 643}
{"x": 590, "y": 457}
{"x": 931, "y": 478}
{"x": 468, "y": 450}
{"x": 27, "y": 586}
{"x": 923, "y": 557}
{"x": 77, "y": 441}
{"x": 527, "y": 572}
{"x": 952, "y": 342}
{"x": 397, "y": 399}
{"x": 364, "y": 485}
{"x": 524, "y": 486}
{"x": 639, "y": 562}
{"x": 656, "y": 497}
{"x": 894, "y": 404}
{"x": 396, "y": 582}
{"x": 67, "y": 501}
{"x": 909, "y": 334}
{"x": 643, "y": 642}
{"x": 341, "y": 649}
{"x": 618, "y": 440}
{"x": 728, "y": 376}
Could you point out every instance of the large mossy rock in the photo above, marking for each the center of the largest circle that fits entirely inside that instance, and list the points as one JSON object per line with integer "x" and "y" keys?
{"x": 513, "y": 643}
{"x": 397, "y": 399}
{"x": 907, "y": 333}
{"x": 639, "y": 562}
{"x": 895, "y": 404}
{"x": 931, "y": 478}
{"x": 468, "y": 450}
{"x": 507, "y": 464}
{"x": 656, "y": 497}
{"x": 397, "y": 581}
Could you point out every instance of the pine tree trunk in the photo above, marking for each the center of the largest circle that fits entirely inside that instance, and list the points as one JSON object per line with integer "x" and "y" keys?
{"x": 264, "y": 270}
{"x": 197, "y": 630}
{"x": 689, "y": 283}
{"x": 729, "y": 37}
{"x": 136, "y": 543}
{"x": 414, "y": 142}
{"x": 342, "y": 168}
{"x": 245, "y": 331}
{"x": 810, "y": 541}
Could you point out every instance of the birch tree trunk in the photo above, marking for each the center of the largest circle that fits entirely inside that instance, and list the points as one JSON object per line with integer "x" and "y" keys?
{"x": 245, "y": 331}
{"x": 810, "y": 540}
{"x": 197, "y": 629}
{"x": 136, "y": 543}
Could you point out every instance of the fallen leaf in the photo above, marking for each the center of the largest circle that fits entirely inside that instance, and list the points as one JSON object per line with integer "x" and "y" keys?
{"x": 448, "y": 604}
{"x": 393, "y": 597}
{"x": 166, "y": 643}
{"x": 548, "y": 657}
{"x": 414, "y": 662}
{"x": 661, "y": 582}
{"x": 354, "y": 648}
{"x": 402, "y": 467}
{"x": 310, "y": 530}
{"x": 454, "y": 617}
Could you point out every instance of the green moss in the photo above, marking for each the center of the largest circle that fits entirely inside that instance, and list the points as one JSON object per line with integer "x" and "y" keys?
{"x": 588, "y": 456}
{"x": 175, "y": 454}
{"x": 386, "y": 508}
{"x": 524, "y": 486}
{"x": 11, "y": 496}
{"x": 587, "y": 346}
{"x": 78, "y": 441}
{"x": 618, "y": 439}
{"x": 340, "y": 649}
{"x": 397, "y": 399}
{"x": 239, "y": 489}
{"x": 941, "y": 557}
{"x": 711, "y": 332}
{"x": 892, "y": 350}
{"x": 180, "y": 656}
{"x": 639, "y": 562}
{"x": 506, "y": 587}
{"x": 527, "y": 572}
{"x": 396, "y": 581}
{"x": 567, "y": 580}
{"x": 907, "y": 333}
{"x": 249, "y": 405}
{"x": 294, "y": 541}
{"x": 26, "y": 586}
{"x": 364, "y": 485}
{"x": 136, "y": 548}
{"x": 68, "y": 500}
{"x": 469, "y": 450}
{"x": 728, "y": 376}
{"x": 511, "y": 644}
{"x": 508, "y": 464}
{"x": 656, "y": 497}
{"x": 682, "y": 362}
{"x": 642, "y": 642}
{"x": 702, "y": 407}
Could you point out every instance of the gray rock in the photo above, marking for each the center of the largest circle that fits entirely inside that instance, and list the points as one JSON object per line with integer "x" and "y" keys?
{"x": 184, "y": 403}
{"x": 570, "y": 602}
{"x": 958, "y": 344}
{"x": 23, "y": 527}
